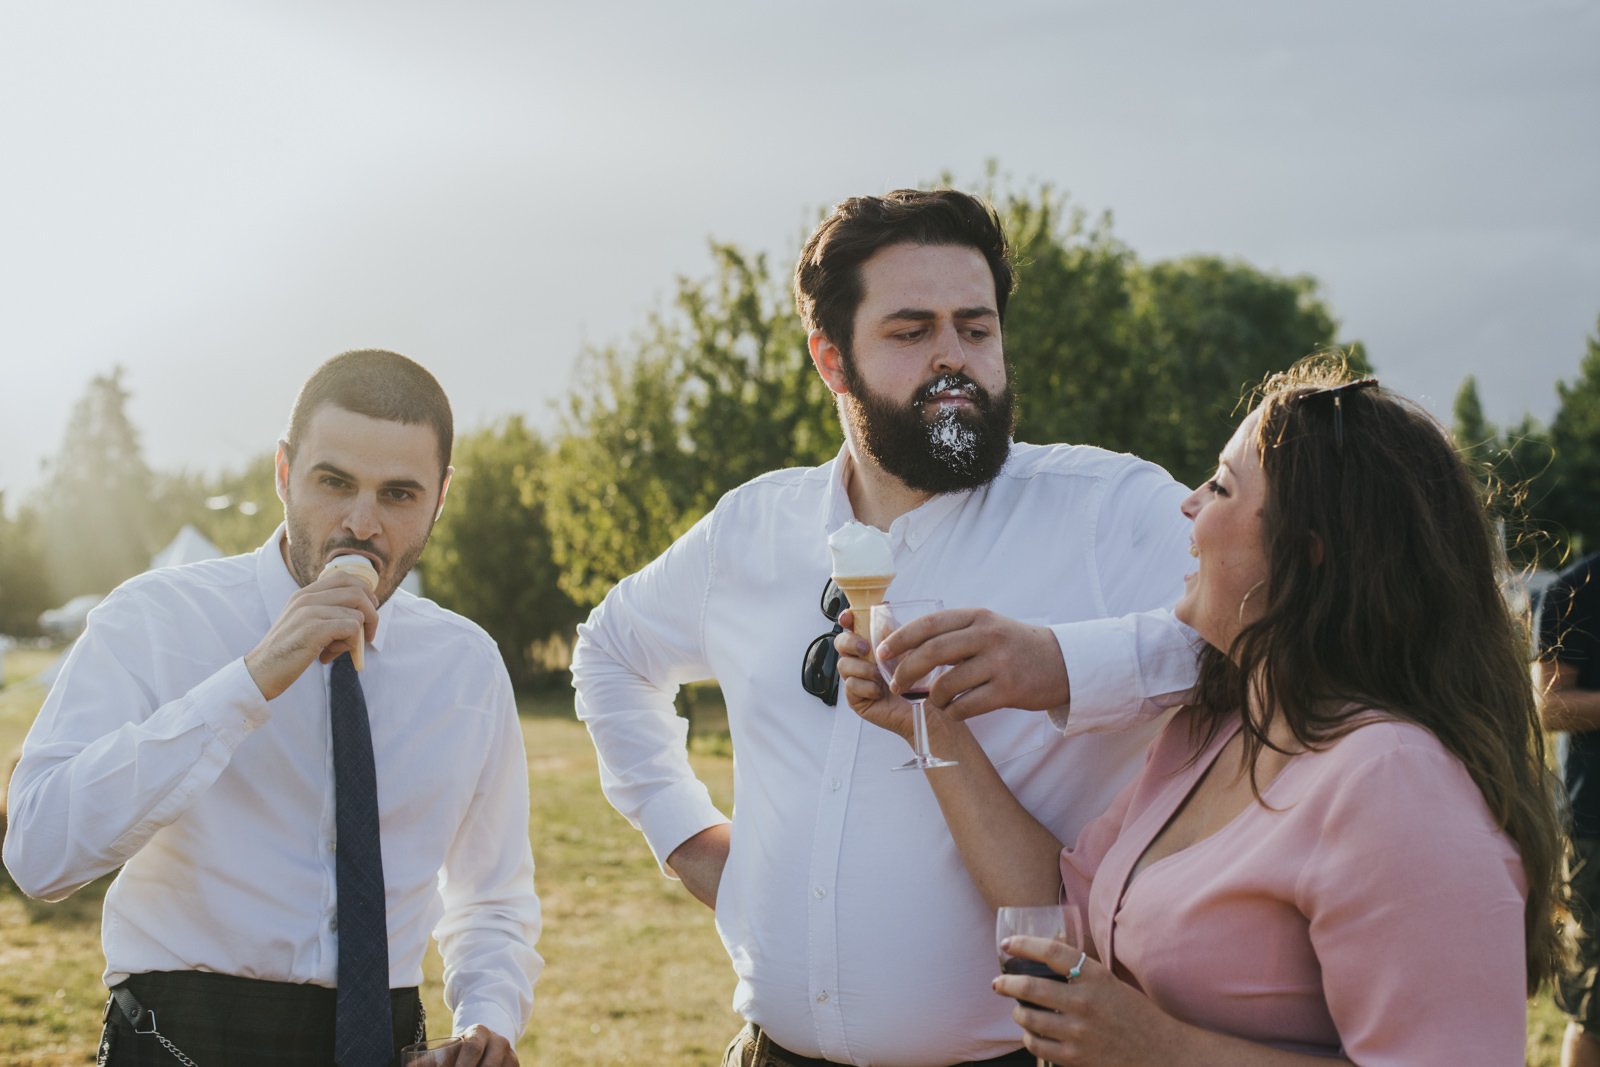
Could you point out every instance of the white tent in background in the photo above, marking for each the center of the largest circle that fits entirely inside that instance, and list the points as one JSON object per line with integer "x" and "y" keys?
{"x": 187, "y": 546}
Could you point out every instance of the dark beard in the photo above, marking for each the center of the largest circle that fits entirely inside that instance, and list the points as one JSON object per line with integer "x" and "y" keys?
{"x": 957, "y": 450}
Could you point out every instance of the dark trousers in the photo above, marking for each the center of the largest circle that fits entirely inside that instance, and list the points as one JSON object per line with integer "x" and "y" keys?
{"x": 219, "y": 1020}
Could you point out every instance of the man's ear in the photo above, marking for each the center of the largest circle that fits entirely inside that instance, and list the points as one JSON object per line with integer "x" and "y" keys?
{"x": 444, "y": 489}
{"x": 280, "y": 469}
{"x": 829, "y": 361}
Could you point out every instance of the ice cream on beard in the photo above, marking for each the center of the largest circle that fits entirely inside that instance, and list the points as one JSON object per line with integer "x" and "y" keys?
{"x": 863, "y": 567}
{"x": 362, "y": 568}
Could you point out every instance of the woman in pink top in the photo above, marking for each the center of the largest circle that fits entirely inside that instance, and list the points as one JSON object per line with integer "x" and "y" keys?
{"x": 1347, "y": 845}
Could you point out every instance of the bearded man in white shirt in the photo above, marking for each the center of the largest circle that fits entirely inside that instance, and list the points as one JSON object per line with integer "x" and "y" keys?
{"x": 855, "y": 932}
{"x": 194, "y": 739}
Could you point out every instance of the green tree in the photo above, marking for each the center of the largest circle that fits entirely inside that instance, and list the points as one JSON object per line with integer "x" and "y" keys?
{"x": 712, "y": 393}
{"x": 1573, "y": 501}
{"x": 490, "y": 558}
{"x": 25, "y": 589}
{"x": 1207, "y": 330}
{"x": 1472, "y": 431}
{"x": 98, "y": 510}
{"x": 1149, "y": 359}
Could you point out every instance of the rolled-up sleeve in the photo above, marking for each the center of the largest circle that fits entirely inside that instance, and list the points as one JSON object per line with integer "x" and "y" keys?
{"x": 1138, "y": 661}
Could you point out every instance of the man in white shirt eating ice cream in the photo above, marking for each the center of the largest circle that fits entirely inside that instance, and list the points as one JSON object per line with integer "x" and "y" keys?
{"x": 291, "y": 831}
{"x": 855, "y": 932}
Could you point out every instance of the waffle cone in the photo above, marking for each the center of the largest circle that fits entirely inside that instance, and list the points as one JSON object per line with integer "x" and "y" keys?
{"x": 863, "y": 592}
{"x": 361, "y": 568}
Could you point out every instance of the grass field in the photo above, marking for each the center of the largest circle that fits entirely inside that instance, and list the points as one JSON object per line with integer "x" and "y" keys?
{"x": 634, "y": 972}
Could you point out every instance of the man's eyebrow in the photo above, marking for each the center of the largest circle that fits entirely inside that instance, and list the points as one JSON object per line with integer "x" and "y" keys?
{"x": 924, "y": 315}
{"x": 391, "y": 483}
{"x": 335, "y": 471}
{"x": 405, "y": 483}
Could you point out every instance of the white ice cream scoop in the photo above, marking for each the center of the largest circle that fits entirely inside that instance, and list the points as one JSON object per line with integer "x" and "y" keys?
{"x": 863, "y": 567}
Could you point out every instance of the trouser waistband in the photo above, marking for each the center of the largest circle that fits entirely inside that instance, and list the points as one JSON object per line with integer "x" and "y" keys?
{"x": 765, "y": 1045}
{"x": 226, "y": 1019}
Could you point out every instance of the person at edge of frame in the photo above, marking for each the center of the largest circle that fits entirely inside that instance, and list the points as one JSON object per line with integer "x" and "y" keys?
{"x": 206, "y": 736}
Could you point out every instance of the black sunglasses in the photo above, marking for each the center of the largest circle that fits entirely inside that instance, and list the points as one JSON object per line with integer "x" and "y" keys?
{"x": 1336, "y": 393}
{"x": 819, "y": 667}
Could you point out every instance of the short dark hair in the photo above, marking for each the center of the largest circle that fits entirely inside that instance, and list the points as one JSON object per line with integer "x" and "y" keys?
{"x": 379, "y": 385}
{"x": 827, "y": 280}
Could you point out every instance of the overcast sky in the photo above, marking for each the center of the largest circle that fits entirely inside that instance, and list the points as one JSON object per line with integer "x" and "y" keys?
{"x": 218, "y": 196}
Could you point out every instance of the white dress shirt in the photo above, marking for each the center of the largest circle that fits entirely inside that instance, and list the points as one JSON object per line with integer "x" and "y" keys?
{"x": 156, "y": 752}
{"x": 853, "y": 927}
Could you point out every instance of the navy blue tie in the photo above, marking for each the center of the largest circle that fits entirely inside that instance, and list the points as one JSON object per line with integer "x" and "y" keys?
{"x": 363, "y": 1035}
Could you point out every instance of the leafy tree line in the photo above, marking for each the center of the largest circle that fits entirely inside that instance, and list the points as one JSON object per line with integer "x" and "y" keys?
{"x": 1544, "y": 480}
{"x": 715, "y": 388}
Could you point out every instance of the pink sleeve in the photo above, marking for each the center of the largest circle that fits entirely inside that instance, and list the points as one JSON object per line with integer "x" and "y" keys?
{"x": 1415, "y": 902}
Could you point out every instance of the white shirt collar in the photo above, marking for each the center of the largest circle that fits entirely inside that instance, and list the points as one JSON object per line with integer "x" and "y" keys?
{"x": 911, "y": 529}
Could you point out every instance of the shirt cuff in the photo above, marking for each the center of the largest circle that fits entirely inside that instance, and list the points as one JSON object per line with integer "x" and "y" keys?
{"x": 231, "y": 703}
{"x": 1125, "y": 671}
{"x": 488, "y": 1015}
{"x": 676, "y": 814}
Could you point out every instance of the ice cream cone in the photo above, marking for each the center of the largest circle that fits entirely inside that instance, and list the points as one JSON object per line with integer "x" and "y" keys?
{"x": 864, "y": 591}
{"x": 362, "y": 568}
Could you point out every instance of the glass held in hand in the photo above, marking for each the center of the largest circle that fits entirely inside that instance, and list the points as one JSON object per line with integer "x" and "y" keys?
{"x": 439, "y": 1052}
{"x": 1059, "y": 922}
{"x": 887, "y": 618}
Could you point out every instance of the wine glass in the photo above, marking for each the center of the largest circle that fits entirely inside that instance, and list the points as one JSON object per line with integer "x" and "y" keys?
{"x": 886, "y": 618}
{"x": 1060, "y": 922}
{"x": 438, "y": 1052}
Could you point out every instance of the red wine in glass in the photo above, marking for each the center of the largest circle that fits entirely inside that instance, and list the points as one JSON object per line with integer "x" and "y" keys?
{"x": 885, "y": 619}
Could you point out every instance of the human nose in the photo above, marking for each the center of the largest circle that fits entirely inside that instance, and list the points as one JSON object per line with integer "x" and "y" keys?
{"x": 362, "y": 518}
{"x": 1193, "y": 503}
{"x": 949, "y": 354}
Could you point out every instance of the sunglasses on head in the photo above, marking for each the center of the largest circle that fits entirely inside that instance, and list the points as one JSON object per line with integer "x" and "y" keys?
{"x": 819, "y": 667}
{"x": 1335, "y": 394}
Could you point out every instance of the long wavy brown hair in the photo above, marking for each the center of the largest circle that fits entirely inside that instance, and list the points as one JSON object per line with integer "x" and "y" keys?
{"x": 1382, "y": 592}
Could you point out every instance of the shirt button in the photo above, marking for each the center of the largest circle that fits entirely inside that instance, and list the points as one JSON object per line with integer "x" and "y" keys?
{"x": 822, "y": 997}
{"x": 835, "y": 784}
{"x": 820, "y": 892}
{"x": 333, "y": 925}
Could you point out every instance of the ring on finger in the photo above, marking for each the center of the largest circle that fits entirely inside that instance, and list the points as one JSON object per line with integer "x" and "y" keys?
{"x": 1077, "y": 968}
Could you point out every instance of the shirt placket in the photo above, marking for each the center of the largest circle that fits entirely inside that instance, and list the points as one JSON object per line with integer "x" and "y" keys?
{"x": 328, "y": 924}
{"x": 822, "y": 900}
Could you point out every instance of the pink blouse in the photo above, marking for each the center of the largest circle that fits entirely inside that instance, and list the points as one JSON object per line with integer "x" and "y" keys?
{"x": 1373, "y": 908}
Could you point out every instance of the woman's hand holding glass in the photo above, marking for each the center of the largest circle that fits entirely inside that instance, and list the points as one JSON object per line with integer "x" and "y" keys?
{"x": 1085, "y": 1014}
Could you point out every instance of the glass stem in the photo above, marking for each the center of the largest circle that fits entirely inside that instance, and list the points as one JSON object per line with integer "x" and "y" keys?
{"x": 919, "y": 730}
